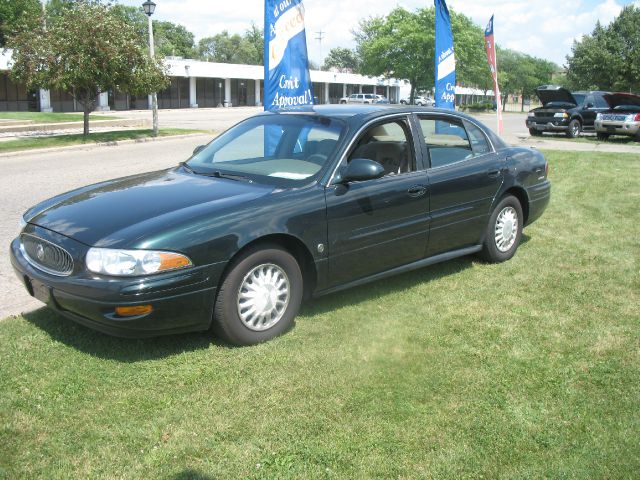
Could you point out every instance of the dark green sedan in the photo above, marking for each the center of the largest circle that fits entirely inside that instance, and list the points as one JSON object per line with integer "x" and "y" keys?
{"x": 280, "y": 207}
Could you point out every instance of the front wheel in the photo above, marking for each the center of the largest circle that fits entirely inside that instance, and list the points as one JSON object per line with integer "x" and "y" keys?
{"x": 259, "y": 297}
{"x": 603, "y": 137}
{"x": 574, "y": 128}
{"x": 534, "y": 132}
{"x": 503, "y": 231}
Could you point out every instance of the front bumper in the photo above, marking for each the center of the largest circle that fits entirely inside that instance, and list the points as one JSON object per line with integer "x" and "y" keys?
{"x": 612, "y": 127}
{"x": 182, "y": 301}
{"x": 560, "y": 125}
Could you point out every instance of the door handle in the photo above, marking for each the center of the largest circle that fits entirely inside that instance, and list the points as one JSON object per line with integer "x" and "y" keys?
{"x": 493, "y": 173}
{"x": 417, "y": 190}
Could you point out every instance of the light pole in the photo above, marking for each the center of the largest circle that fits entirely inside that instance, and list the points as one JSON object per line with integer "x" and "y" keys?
{"x": 149, "y": 8}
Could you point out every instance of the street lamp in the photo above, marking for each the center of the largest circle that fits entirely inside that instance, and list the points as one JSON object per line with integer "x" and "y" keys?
{"x": 150, "y": 7}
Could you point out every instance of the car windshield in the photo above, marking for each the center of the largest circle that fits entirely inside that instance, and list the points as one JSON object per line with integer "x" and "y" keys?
{"x": 282, "y": 149}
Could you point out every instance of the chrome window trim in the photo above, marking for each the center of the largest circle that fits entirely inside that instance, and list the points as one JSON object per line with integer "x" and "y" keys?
{"x": 36, "y": 265}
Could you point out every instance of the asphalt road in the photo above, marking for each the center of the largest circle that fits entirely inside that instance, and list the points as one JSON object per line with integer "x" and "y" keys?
{"x": 28, "y": 178}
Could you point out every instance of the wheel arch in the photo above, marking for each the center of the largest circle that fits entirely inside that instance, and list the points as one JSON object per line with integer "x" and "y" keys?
{"x": 291, "y": 244}
{"x": 521, "y": 194}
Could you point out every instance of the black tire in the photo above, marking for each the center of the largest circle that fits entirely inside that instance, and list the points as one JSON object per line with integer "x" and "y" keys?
{"x": 343, "y": 102}
{"x": 574, "y": 128}
{"x": 534, "y": 132}
{"x": 244, "y": 271}
{"x": 403, "y": 102}
{"x": 637, "y": 136}
{"x": 491, "y": 252}
{"x": 603, "y": 137}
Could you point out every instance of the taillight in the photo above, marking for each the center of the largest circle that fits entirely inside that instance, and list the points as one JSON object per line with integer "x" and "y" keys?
{"x": 637, "y": 119}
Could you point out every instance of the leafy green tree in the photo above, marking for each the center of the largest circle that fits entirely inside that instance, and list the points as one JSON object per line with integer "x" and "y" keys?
{"x": 86, "y": 50}
{"x": 17, "y": 15}
{"x": 255, "y": 37}
{"x": 521, "y": 74}
{"x": 343, "y": 60}
{"x": 226, "y": 48}
{"x": 402, "y": 45}
{"x": 173, "y": 39}
{"x": 608, "y": 58}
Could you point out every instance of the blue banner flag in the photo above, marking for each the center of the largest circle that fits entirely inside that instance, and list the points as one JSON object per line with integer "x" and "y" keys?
{"x": 445, "y": 71}
{"x": 287, "y": 83}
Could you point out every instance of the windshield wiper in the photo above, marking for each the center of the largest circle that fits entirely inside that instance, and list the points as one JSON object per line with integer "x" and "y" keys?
{"x": 219, "y": 174}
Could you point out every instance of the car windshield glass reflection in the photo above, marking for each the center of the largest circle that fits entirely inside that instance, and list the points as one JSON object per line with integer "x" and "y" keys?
{"x": 272, "y": 149}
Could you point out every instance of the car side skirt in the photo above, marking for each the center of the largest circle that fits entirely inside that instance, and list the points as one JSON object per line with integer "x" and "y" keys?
{"x": 443, "y": 257}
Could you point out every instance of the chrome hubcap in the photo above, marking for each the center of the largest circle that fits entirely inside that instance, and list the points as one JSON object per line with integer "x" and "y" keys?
{"x": 506, "y": 228}
{"x": 263, "y": 297}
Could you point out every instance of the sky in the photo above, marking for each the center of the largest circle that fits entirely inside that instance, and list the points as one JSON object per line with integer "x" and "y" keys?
{"x": 542, "y": 28}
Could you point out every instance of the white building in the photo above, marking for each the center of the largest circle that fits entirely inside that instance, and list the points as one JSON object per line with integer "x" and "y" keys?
{"x": 195, "y": 84}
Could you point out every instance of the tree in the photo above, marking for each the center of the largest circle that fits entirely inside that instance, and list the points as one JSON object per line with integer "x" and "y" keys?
{"x": 86, "y": 50}
{"x": 173, "y": 39}
{"x": 342, "y": 59}
{"x": 402, "y": 45}
{"x": 17, "y": 15}
{"x": 608, "y": 58}
{"x": 226, "y": 48}
{"x": 255, "y": 37}
{"x": 521, "y": 74}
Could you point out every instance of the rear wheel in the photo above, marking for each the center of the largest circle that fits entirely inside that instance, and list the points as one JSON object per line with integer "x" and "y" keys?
{"x": 503, "y": 231}
{"x": 534, "y": 132}
{"x": 259, "y": 297}
{"x": 343, "y": 102}
{"x": 574, "y": 128}
{"x": 602, "y": 136}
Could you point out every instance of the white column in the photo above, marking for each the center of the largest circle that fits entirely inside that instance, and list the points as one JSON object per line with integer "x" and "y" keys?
{"x": 227, "y": 92}
{"x": 388, "y": 97}
{"x": 257, "y": 92}
{"x": 103, "y": 102}
{"x": 193, "y": 102}
{"x": 344, "y": 89}
{"x": 45, "y": 101}
{"x": 359, "y": 88}
{"x": 150, "y": 101}
{"x": 326, "y": 93}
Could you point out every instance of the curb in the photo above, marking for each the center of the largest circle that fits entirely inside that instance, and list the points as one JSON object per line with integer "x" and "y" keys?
{"x": 89, "y": 146}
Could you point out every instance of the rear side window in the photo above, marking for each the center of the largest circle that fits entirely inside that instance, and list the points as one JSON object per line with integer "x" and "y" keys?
{"x": 601, "y": 102}
{"x": 446, "y": 141}
{"x": 479, "y": 143}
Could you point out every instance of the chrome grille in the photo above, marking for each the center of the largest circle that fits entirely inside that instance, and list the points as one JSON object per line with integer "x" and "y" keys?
{"x": 614, "y": 117}
{"x": 46, "y": 256}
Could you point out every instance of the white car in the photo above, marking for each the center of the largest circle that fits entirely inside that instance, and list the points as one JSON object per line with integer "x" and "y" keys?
{"x": 360, "y": 98}
{"x": 420, "y": 101}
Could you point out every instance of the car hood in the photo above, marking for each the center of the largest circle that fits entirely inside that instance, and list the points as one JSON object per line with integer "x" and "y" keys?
{"x": 108, "y": 213}
{"x": 550, "y": 93}
{"x": 616, "y": 99}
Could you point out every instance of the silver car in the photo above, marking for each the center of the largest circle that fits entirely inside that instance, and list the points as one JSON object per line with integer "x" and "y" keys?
{"x": 623, "y": 117}
{"x": 360, "y": 98}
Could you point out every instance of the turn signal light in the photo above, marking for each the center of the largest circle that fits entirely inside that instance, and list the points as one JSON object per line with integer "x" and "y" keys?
{"x": 134, "y": 311}
{"x": 637, "y": 119}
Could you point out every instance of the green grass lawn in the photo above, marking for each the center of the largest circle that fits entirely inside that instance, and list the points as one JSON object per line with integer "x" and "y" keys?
{"x": 526, "y": 369}
{"x": 52, "y": 117}
{"x": 79, "y": 139}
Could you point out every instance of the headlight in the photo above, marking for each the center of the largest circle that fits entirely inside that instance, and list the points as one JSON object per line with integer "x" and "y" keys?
{"x": 133, "y": 262}
{"x": 561, "y": 115}
{"x": 598, "y": 116}
{"x": 532, "y": 114}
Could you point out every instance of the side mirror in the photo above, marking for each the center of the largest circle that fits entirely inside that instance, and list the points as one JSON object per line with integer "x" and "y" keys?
{"x": 359, "y": 169}
{"x": 198, "y": 149}
{"x": 589, "y": 105}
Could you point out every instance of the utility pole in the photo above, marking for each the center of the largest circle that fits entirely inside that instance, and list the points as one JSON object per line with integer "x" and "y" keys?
{"x": 319, "y": 38}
